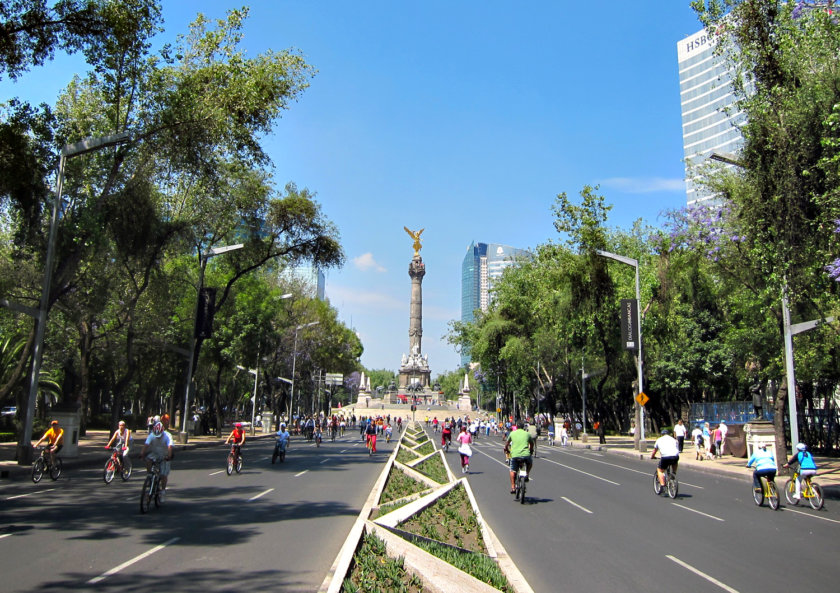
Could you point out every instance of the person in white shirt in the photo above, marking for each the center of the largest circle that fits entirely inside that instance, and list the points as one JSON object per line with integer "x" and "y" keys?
{"x": 697, "y": 437}
{"x": 723, "y": 430}
{"x": 669, "y": 454}
{"x": 679, "y": 432}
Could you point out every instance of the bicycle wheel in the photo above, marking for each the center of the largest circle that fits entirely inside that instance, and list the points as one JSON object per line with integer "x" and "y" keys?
{"x": 816, "y": 498}
{"x": 145, "y": 495}
{"x": 274, "y": 455}
{"x": 110, "y": 468}
{"x": 55, "y": 470}
{"x": 657, "y": 487}
{"x": 772, "y": 496}
{"x": 38, "y": 470}
{"x": 156, "y": 495}
{"x": 522, "y": 490}
{"x": 790, "y": 490}
{"x": 229, "y": 467}
{"x": 673, "y": 485}
{"x": 126, "y": 469}
{"x": 758, "y": 494}
{"x": 238, "y": 463}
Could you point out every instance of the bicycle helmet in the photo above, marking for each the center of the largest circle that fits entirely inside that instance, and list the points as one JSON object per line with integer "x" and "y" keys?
{"x": 801, "y": 446}
{"x": 282, "y": 425}
{"x": 54, "y": 423}
{"x": 157, "y": 429}
{"x": 665, "y": 431}
{"x": 238, "y": 425}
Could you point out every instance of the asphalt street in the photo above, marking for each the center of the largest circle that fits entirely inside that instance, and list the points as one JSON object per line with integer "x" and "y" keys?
{"x": 592, "y": 523}
{"x": 272, "y": 526}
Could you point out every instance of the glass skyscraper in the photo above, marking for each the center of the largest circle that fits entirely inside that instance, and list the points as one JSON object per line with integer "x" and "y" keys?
{"x": 710, "y": 120}
{"x": 483, "y": 264}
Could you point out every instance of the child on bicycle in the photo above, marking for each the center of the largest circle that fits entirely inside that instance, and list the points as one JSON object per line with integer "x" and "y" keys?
{"x": 55, "y": 440}
{"x": 237, "y": 437}
{"x": 120, "y": 440}
{"x": 807, "y": 466}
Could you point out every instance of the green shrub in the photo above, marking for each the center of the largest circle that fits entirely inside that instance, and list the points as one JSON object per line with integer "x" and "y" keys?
{"x": 374, "y": 571}
{"x": 400, "y": 485}
{"x": 477, "y": 565}
{"x": 433, "y": 467}
{"x": 425, "y": 449}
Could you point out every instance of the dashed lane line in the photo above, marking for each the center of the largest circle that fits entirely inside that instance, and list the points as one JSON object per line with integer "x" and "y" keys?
{"x": 260, "y": 495}
{"x": 699, "y": 512}
{"x": 574, "y": 469}
{"x": 30, "y": 493}
{"x": 217, "y": 473}
{"x": 301, "y": 473}
{"x": 790, "y": 510}
{"x": 700, "y": 573}
{"x": 134, "y": 560}
{"x": 574, "y": 504}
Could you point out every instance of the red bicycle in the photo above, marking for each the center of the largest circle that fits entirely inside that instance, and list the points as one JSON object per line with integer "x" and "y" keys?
{"x": 117, "y": 463}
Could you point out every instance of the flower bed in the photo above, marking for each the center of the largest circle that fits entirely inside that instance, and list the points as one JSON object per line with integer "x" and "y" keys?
{"x": 373, "y": 570}
{"x": 433, "y": 467}
{"x": 425, "y": 448}
{"x": 406, "y": 455}
{"x": 400, "y": 485}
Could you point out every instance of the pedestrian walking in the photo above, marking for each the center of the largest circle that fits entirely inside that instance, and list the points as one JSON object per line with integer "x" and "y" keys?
{"x": 723, "y": 430}
{"x": 679, "y": 433}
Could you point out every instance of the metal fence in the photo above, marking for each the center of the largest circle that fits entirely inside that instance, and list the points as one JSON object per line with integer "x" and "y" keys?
{"x": 730, "y": 412}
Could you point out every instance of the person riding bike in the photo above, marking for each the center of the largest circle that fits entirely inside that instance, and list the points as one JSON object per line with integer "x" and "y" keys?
{"x": 807, "y": 466}
{"x": 283, "y": 437}
{"x": 446, "y": 434}
{"x": 120, "y": 440}
{"x": 237, "y": 437}
{"x": 765, "y": 465}
{"x": 370, "y": 435}
{"x": 158, "y": 447}
{"x": 519, "y": 447}
{"x": 55, "y": 440}
{"x": 669, "y": 453}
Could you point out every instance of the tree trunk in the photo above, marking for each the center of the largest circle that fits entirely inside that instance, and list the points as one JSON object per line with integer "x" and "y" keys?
{"x": 779, "y": 405}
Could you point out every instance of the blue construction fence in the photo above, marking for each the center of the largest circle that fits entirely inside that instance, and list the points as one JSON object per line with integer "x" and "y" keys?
{"x": 729, "y": 412}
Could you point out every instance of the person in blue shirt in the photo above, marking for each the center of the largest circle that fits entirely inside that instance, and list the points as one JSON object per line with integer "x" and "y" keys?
{"x": 807, "y": 466}
{"x": 282, "y": 442}
{"x": 765, "y": 465}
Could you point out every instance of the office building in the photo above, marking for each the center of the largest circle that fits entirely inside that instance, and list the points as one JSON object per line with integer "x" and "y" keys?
{"x": 483, "y": 264}
{"x": 310, "y": 279}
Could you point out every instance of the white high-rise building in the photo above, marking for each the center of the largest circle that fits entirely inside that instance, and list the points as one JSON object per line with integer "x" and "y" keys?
{"x": 311, "y": 279}
{"x": 710, "y": 120}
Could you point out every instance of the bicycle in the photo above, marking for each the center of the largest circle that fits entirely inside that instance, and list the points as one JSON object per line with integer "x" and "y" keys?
{"x": 333, "y": 431}
{"x": 234, "y": 460}
{"x": 551, "y": 439}
{"x": 671, "y": 487}
{"x": 279, "y": 451}
{"x": 768, "y": 490}
{"x": 151, "y": 489}
{"x": 369, "y": 446}
{"x": 117, "y": 463}
{"x": 521, "y": 481}
{"x": 43, "y": 465}
{"x": 810, "y": 490}
{"x": 318, "y": 438}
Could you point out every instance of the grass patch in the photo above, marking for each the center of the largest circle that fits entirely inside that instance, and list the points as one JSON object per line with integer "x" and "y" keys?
{"x": 433, "y": 467}
{"x": 421, "y": 438}
{"x": 477, "y": 565}
{"x": 400, "y": 485}
{"x": 387, "y": 508}
{"x": 425, "y": 449}
{"x": 374, "y": 571}
{"x": 406, "y": 456}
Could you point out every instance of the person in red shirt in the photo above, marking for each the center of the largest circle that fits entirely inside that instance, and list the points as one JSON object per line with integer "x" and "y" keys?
{"x": 237, "y": 437}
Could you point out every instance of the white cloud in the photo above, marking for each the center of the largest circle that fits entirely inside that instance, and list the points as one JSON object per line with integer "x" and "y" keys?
{"x": 644, "y": 185}
{"x": 366, "y": 262}
{"x": 344, "y": 296}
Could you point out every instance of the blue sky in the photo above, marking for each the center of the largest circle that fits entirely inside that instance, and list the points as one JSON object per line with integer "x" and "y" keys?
{"x": 464, "y": 118}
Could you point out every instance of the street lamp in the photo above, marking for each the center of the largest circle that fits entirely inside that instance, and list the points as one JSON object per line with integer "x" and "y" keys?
{"x": 256, "y": 373}
{"x": 294, "y": 363}
{"x": 67, "y": 152}
{"x": 639, "y": 434}
{"x": 203, "y": 257}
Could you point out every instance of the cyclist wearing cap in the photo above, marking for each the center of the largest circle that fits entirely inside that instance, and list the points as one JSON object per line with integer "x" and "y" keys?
{"x": 669, "y": 453}
{"x": 120, "y": 439}
{"x": 807, "y": 466}
{"x": 158, "y": 447}
{"x": 55, "y": 440}
{"x": 237, "y": 436}
{"x": 765, "y": 465}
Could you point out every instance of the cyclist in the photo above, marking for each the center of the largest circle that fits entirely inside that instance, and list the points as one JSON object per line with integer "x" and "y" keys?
{"x": 519, "y": 447}
{"x": 669, "y": 453}
{"x": 370, "y": 434}
{"x": 120, "y": 440}
{"x": 55, "y": 440}
{"x": 388, "y": 432}
{"x": 446, "y": 434}
{"x": 765, "y": 465}
{"x": 807, "y": 467}
{"x": 237, "y": 437}
{"x": 283, "y": 437}
{"x": 158, "y": 447}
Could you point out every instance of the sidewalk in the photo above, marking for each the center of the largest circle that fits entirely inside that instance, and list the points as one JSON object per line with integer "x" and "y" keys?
{"x": 92, "y": 452}
{"x": 828, "y": 474}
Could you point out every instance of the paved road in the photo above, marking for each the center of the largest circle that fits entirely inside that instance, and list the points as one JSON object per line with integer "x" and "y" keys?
{"x": 592, "y": 523}
{"x": 273, "y": 526}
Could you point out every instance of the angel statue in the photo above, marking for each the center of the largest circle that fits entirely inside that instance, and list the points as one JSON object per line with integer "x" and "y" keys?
{"x": 416, "y": 236}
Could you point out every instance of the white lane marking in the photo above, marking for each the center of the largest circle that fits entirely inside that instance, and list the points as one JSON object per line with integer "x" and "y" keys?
{"x": 134, "y": 560}
{"x": 342, "y": 451}
{"x": 582, "y": 472}
{"x": 698, "y": 512}
{"x": 494, "y": 459}
{"x": 787, "y": 508}
{"x": 301, "y": 473}
{"x": 574, "y": 504}
{"x": 629, "y": 469}
{"x": 265, "y": 458}
{"x": 323, "y": 461}
{"x": 216, "y": 473}
{"x": 261, "y": 494}
{"x": 709, "y": 578}
{"x": 30, "y": 493}
{"x": 5, "y": 535}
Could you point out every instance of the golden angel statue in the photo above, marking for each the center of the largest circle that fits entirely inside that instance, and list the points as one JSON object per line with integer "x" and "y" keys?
{"x": 416, "y": 236}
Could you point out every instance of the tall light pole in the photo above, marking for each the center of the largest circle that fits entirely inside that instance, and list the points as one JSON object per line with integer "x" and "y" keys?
{"x": 67, "y": 152}
{"x": 294, "y": 364}
{"x": 639, "y": 434}
{"x": 203, "y": 257}
{"x": 256, "y": 373}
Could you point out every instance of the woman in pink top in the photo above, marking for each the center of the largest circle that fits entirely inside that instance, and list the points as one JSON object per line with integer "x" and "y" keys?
{"x": 464, "y": 448}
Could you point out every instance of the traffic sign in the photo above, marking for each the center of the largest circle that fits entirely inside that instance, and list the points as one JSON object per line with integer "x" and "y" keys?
{"x": 498, "y": 409}
{"x": 642, "y": 398}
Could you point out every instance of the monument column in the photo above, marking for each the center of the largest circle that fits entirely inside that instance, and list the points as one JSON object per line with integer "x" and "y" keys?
{"x": 416, "y": 270}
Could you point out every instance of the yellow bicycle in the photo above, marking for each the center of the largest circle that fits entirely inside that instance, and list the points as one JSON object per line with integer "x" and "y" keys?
{"x": 768, "y": 490}
{"x": 813, "y": 492}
